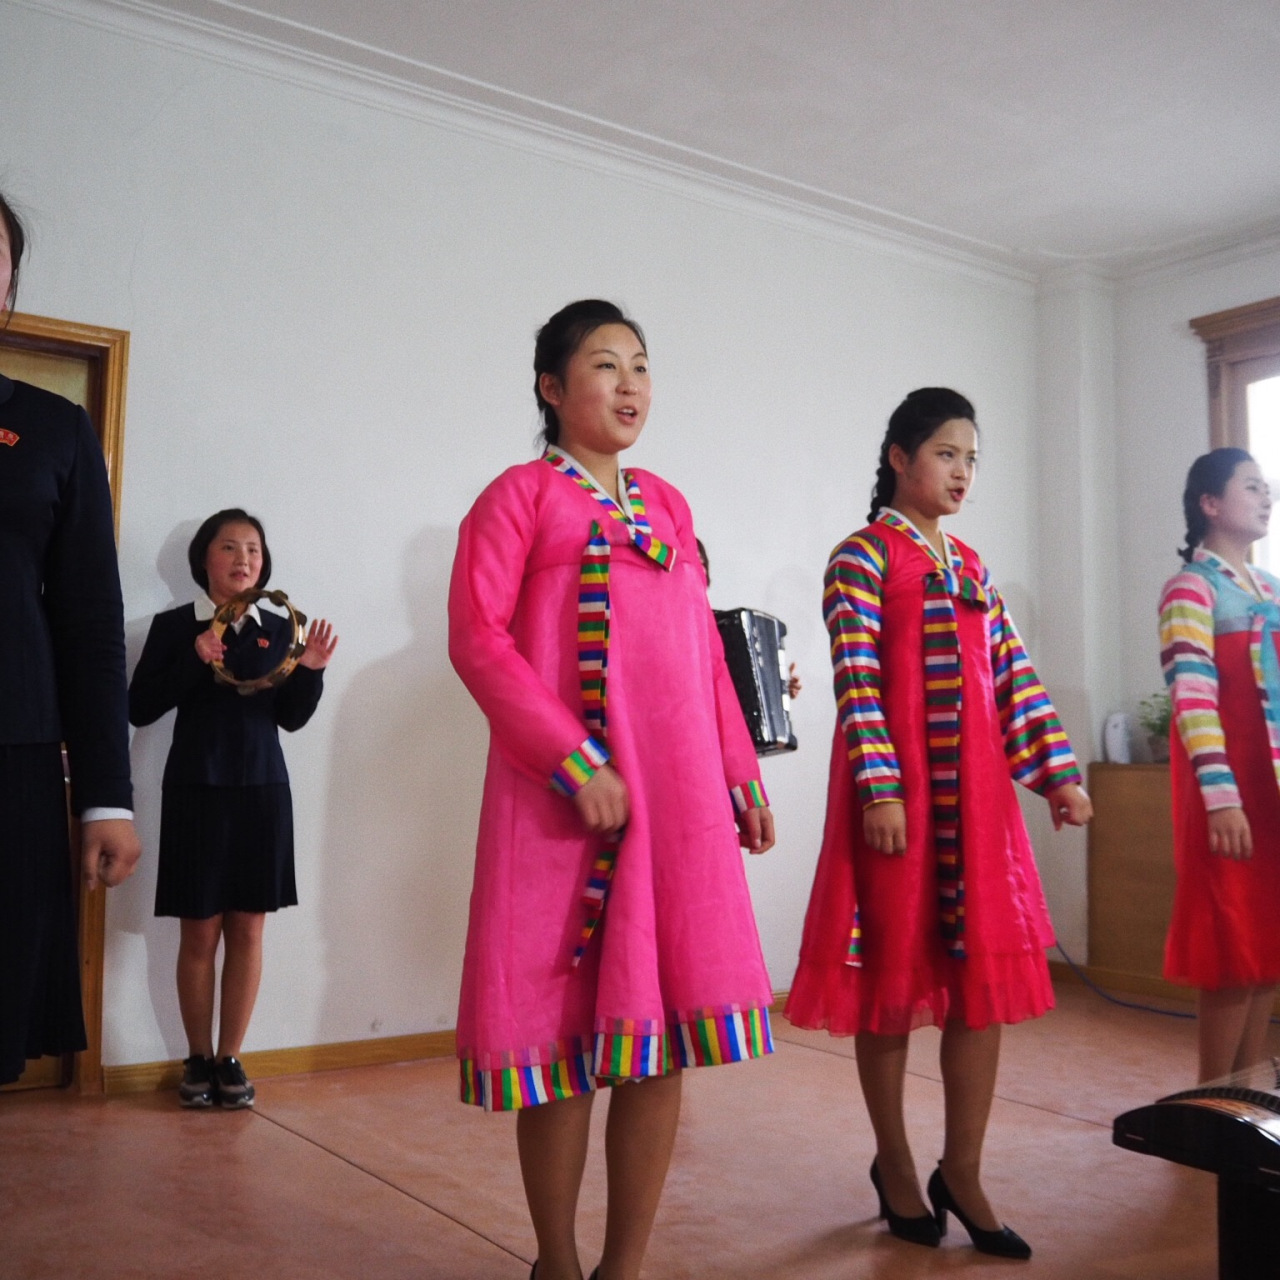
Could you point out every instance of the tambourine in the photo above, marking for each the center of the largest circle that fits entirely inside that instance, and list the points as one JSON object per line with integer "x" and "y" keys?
{"x": 231, "y": 612}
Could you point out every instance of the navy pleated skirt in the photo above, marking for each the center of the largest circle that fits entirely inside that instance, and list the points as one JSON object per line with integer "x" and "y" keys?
{"x": 39, "y": 965}
{"x": 225, "y": 849}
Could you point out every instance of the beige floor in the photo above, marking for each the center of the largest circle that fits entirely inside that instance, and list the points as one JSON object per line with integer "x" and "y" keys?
{"x": 379, "y": 1174}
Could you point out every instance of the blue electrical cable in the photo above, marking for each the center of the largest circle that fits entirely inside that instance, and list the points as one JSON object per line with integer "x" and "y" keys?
{"x": 1106, "y": 995}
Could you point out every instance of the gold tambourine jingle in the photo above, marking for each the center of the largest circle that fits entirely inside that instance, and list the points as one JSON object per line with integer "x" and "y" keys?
{"x": 232, "y": 612}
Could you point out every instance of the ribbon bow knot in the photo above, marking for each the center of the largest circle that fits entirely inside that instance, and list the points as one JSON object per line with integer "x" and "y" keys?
{"x": 959, "y": 585}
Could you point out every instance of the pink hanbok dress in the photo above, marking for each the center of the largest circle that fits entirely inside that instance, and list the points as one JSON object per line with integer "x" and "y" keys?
{"x": 672, "y": 975}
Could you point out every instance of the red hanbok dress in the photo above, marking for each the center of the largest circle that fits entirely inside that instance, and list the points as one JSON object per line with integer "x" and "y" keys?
{"x": 1218, "y": 635}
{"x": 956, "y": 928}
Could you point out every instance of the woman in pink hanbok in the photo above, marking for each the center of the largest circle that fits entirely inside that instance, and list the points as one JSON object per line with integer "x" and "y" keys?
{"x": 611, "y": 938}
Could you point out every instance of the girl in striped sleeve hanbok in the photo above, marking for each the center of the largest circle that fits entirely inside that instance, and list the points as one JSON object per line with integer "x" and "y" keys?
{"x": 926, "y": 907}
{"x": 611, "y": 938}
{"x": 1219, "y": 622}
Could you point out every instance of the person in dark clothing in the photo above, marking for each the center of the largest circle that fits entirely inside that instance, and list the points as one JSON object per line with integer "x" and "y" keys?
{"x": 226, "y": 824}
{"x": 62, "y": 681}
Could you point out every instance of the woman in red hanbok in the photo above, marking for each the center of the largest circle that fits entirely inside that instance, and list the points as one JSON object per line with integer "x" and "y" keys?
{"x": 1219, "y": 628}
{"x": 926, "y": 907}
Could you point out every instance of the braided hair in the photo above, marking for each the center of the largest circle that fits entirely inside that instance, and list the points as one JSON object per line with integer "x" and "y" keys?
{"x": 1208, "y": 477}
{"x": 910, "y": 425}
{"x": 559, "y": 338}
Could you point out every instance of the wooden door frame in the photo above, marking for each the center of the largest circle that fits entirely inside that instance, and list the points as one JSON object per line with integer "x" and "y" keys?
{"x": 105, "y": 352}
{"x": 1232, "y": 339}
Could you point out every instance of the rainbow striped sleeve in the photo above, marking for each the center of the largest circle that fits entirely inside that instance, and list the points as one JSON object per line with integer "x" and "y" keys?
{"x": 1191, "y": 672}
{"x": 750, "y": 795}
{"x": 1035, "y": 743}
{"x": 579, "y": 767}
{"x": 851, "y": 598}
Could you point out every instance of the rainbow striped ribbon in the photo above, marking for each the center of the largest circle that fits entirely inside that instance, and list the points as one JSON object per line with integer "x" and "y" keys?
{"x": 638, "y": 527}
{"x": 943, "y": 680}
{"x": 593, "y": 649}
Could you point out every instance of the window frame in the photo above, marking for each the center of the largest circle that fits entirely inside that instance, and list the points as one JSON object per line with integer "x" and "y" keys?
{"x": 1241, "y": 344}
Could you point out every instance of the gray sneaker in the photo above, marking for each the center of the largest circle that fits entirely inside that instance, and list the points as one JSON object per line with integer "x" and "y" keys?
{"x": 196, "y": 1089}
{"x": 232, "y": 1085}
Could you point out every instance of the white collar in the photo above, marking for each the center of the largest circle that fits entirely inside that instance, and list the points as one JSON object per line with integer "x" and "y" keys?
{"x": 623, "y": 501}
{"x": 205, "y": 609}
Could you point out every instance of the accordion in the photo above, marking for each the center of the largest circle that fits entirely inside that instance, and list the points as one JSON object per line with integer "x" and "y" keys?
{"x": 753, "y": 649}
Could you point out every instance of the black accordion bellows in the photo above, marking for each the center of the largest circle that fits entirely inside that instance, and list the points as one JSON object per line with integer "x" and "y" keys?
{"x": 757, "y": 659}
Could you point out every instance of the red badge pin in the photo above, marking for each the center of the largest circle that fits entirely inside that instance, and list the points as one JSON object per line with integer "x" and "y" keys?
{"x": 8, "y": 437}
{"x": 263, "y": 642}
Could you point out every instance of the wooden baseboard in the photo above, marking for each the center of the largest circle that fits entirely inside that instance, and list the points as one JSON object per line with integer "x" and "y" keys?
{"x": 144, "y": 1077}
{"x": 147, "y": 1077}
{"x": 1116, "y": 982}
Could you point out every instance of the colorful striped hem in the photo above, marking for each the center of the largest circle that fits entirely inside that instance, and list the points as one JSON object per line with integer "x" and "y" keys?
{"x": 623, "y": 1049}
{"x": 750, "y": 795}
{"x": 579, "y": 767}
{"x": 728, "y": 1033}
{"x": 527, "y": 1078}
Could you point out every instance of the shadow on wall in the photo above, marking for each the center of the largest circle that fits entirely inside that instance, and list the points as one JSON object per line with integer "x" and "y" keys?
{"x": 400, "y": 825}
{"x": 133, "y": 904}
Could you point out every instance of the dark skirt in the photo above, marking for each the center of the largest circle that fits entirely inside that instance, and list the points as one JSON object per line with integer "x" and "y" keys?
{"x": 225, "y": 849}
{"x": 39, "y": 965}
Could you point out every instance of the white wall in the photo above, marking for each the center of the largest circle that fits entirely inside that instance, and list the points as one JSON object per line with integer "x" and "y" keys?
{"x": 332, "y": 297}
{"x": 1075, "y": 485}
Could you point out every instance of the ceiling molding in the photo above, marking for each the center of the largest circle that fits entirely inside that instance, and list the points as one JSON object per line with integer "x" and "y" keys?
{"x": 248, "y": 39}
{"x": 730, "y": 186}
{"x": 1244, "y": 249}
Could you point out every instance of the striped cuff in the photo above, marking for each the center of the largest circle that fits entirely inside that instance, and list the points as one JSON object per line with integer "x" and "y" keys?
{"x": 886, "y": 790}
{"x": 579, "y": 767}
{"x": 750, "y": 795}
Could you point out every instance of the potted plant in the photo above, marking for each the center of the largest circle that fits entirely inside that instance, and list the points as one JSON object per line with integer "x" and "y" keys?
{"x": 1155, "y": 714}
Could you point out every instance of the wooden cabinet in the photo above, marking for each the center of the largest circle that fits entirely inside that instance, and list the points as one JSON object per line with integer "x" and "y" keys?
{"x": 1131, "y": 876}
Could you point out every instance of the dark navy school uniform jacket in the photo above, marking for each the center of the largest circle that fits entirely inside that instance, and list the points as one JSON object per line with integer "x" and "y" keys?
{"x": 221, "y": 738}
{"x": 62, "y": 663}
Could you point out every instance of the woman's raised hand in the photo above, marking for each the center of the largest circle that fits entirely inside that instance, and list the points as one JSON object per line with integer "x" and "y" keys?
{"x": 321, "y": 642}
{"x": 603, "y": 803}
{"x": 884, "y": 826}
{"x": 209, "y": 646}
{"x": 1229, "y": 834}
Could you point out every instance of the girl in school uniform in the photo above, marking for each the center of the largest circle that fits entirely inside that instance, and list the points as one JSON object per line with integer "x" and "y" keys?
{"x": 1219, "y": 624}
{"x": 926, "y": 907}
{"x": 226, "y": 823}
{"x": 611, "y": 938}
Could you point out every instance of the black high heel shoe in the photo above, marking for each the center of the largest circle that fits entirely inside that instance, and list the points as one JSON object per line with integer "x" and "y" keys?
{"x": 922, "y": 1230}
{"x": 1005, "y": 1243}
